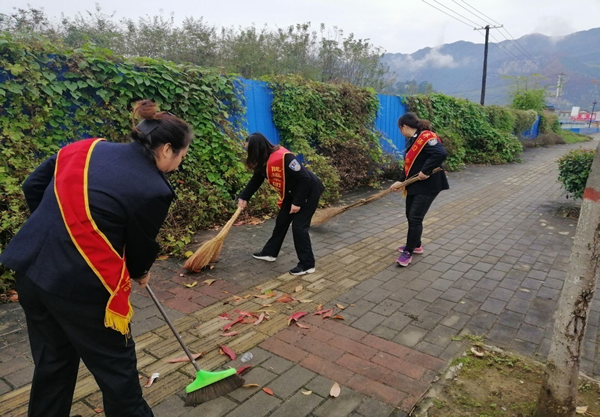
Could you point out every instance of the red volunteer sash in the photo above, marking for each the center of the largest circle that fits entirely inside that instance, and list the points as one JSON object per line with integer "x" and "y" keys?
{"x": 276, "y": 172}
{"x": 415, "y": 150}
{"x": 71, "y": 190}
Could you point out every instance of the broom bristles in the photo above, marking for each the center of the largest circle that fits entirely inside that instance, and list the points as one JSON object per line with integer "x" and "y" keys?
{"x": 326, "y": 214}
{"x": 211, "y": 249}
{"x": 212, "y": 391}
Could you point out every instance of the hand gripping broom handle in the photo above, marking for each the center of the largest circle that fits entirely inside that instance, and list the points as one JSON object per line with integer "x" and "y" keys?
{"x": 179, "y": 339}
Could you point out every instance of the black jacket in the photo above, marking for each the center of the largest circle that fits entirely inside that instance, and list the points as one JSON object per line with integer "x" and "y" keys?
{"x": 129, "y": 199}
{"x": 298, "y": 184}
{"x": 431, "y": 156}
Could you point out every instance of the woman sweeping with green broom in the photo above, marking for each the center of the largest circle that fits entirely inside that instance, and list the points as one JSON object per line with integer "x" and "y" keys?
{"x": 299, "y": 192}
{"x": 96, "y": 209}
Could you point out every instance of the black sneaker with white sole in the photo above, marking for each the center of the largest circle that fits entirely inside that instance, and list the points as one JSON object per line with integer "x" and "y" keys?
{"x": 299, "y": 271}
{"x": 263, "y": 257}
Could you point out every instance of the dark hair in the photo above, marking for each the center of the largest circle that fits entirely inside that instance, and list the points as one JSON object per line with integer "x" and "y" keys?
{"x": 412, "y": 120}
{"x": 259, "y": 150}
{"x": 158, "y": 128}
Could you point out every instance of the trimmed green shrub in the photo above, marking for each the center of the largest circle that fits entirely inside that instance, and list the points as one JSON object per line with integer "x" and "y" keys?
{"x": 333, "y": 126}
{"x": 472, "y": 133}
{"x": 574, "y": 169}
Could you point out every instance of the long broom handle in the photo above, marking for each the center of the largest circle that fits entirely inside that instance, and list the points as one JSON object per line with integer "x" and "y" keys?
{"x": 179, "y": 339}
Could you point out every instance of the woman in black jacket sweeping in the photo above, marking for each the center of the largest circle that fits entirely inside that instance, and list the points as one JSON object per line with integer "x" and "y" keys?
{"x": 424, "y": 152}
{"x": 299, "y": 193}
{"x": 96, "y": 208}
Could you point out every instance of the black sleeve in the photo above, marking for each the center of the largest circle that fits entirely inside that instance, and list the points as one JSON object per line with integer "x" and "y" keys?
{"x": 402, "y": 176}
{"x": 436, "y": 155}
{"x": 253, "y": 185}
{"x": 141, "y": 247}
{"x": 301, "y": 176}
{"x": 35, "y": 185}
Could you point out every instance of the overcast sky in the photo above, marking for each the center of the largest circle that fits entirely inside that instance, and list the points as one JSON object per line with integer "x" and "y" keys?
{"x": 396, "y": 25}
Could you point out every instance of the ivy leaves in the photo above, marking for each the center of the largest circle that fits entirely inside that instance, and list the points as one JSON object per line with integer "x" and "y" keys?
{"x": 51, "y": 96}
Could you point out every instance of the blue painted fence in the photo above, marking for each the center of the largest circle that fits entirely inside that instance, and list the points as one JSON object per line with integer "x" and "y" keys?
{"x": 585, "y": 130}
{"x": 259, "y": 117}
{"x": 534, "y": 131}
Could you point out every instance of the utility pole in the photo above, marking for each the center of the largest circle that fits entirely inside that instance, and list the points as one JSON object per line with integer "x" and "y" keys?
{"x": 559, "y": 85}
{"x": 592, "y": 113}
{"x": 485, "y": 55}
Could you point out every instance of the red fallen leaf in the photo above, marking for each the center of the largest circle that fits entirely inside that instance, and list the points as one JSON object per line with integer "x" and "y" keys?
{"x": 238, "y": 223}
{"x": 228, "y": 325}
{"x": 302, "y": 326}
{"x": 268, "y": 391}
{"x": 99, "y": 410}
{"x": 244, "y": 313}
{"x": 227, "y": 334}
{"x": 285, "y": 299}
{"x": 14, "y": 298}
{"x": 296, "y": 316}
{"x": 260, "y": 319}
{"x": 228, "y": 351}
{"x": 185, "y": 358}
{"x": 225, "y": 316}
{"x": 338, "y": 317}
{"x": 249, "y": 320}
{"x": 244, "y": 369}
{"x": 324, "y": 313}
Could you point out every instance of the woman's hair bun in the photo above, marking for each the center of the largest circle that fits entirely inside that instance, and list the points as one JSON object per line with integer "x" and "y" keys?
{"x": 145, "y": 109}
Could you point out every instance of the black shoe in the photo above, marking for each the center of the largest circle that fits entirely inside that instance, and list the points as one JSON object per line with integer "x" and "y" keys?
{"x": 263, "y": 257}
{"x": 299, "y": 271}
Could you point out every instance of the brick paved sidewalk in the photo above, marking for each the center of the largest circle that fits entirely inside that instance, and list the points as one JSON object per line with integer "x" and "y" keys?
{"x": 496, "y": 251}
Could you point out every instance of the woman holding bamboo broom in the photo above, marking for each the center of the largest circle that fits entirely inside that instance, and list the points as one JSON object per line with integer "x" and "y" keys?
{"x": 96, "y": 208}
{"x": 299, "y": 193}
{"x": 424, "y": 152}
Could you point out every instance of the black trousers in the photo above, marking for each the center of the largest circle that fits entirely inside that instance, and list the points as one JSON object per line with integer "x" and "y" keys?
{"x": 300, "y": 222}
{"x": 416, "y": 209}
{"x": 61, "y": 331}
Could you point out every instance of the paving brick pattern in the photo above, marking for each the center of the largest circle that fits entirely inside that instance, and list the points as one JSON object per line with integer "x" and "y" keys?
{"x": 496, "y": 252}
{"x": 370, "y": 365}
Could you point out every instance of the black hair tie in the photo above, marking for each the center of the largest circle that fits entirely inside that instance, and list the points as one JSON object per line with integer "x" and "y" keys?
{"x": 147, "y": 126}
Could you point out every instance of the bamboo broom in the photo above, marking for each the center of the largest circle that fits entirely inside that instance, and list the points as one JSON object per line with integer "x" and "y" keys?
{"x": 211, "y": 249}
{"x": 326, "y": 214}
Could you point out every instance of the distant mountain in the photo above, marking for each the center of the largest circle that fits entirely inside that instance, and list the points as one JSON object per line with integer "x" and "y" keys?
{"x": 455, "y": 69}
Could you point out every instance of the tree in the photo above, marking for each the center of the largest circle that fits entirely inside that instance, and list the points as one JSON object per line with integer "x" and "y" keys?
{"x": 558, "y": 395}
{"x": 529, "y": 100}
{"x": 252, "y": 52}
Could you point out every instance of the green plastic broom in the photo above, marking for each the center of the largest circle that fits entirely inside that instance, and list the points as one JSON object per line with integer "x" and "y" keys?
{"x": 207, "y": 385}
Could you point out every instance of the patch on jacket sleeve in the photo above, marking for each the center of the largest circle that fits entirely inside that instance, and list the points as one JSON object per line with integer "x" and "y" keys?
{"x": 432, "y": 142}
{"x": 295, "y": 165}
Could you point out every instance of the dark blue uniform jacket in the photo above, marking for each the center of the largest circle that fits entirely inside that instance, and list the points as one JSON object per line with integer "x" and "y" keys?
{"x": 431, "y": 156}
{"x": 129, "y": 199}
{"x": 299, "y": 182}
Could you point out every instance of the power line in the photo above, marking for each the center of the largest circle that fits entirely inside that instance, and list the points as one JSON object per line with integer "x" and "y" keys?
{"x": 454, "y": 17}
{"x": 455, "y": 12}
{"x": 516, "y": 43}
{"x": 507, "y": 51}
{"x": 509, "y": 34}
{"x": 486, "y": 17}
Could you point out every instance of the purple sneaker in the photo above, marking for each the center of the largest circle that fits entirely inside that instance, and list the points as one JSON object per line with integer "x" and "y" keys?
{"x": 418, "y": 251}
{"x": 404, "y": 259}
